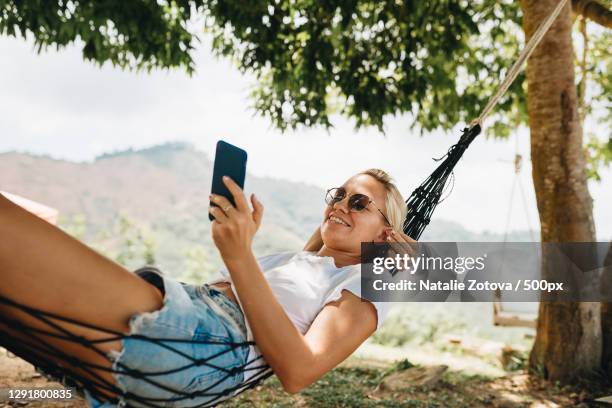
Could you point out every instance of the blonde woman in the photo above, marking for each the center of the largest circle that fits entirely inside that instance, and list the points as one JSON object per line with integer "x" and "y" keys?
{"x": 303, "y": 310}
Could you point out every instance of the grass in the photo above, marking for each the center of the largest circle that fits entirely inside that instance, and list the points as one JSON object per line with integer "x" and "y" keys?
{"x": 352, "y": 387}
{"x": 414, "y": 325}
{"x": 429, "y": 323}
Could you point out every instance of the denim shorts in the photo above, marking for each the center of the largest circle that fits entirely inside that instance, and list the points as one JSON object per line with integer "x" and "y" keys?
{"x": 191, "y": 362}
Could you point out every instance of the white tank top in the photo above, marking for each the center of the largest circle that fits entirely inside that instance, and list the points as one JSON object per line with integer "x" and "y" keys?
{"x": 303, "y": 284}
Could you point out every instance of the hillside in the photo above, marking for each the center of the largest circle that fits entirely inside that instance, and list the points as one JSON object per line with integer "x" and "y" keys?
{"x": 151, "y": 205}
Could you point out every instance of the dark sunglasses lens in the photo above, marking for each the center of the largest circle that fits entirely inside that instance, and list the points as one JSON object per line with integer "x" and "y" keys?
{"x": 358, "y": 202}
{"x": 335, "y": 195}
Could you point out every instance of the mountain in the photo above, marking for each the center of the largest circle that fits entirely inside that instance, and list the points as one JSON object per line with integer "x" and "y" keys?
{"x": 158, "y": 194}
{"x": 151, "y": 205}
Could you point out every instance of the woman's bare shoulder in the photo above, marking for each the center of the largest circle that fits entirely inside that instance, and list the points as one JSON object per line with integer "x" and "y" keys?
{"x": 352, "y": 307}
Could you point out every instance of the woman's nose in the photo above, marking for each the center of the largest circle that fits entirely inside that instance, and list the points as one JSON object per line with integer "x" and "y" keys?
{"x": 342, "y": 204}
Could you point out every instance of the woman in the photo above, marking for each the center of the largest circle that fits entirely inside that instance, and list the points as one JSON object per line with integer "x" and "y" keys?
{"x": 319, "y": 323}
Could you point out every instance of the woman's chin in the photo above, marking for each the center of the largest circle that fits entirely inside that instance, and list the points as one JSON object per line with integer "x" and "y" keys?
{"x": 335, "y": 231}
{"x": 337, "y": 236}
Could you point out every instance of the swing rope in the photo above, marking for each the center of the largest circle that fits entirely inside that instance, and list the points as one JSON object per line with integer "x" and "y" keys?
{"x": 518, "y": 164}
{"x": 84, "y": 375}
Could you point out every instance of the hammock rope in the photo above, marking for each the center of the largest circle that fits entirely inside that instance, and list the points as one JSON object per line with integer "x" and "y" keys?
{"x": 36, "y": 351}
{"x": 421, "y": 205}
{"x": 518, "y": 64}
{"x": 425, "y": 198}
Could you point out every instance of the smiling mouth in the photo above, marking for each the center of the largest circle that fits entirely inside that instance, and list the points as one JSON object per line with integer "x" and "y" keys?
{"x": 338, "y": 220}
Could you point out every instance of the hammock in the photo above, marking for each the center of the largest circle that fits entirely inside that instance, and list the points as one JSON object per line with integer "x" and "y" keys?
{"x": 421, "y": 206}
{"x": 36, "y": 349}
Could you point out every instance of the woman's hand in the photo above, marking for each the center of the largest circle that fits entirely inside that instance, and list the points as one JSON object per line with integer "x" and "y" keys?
{"x": 401, "y": 244}
{"x": 233, "y": 228}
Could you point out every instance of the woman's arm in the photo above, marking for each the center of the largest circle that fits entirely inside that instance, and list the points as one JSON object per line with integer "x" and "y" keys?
{"x": 233, "y": 230}
{"x": 337, "y": 331}
{"x": 297, "y": 360}
{"x": 315, "y": 242}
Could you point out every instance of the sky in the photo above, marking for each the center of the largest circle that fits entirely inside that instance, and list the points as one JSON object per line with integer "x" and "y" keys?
{"x": 59, "y": 105}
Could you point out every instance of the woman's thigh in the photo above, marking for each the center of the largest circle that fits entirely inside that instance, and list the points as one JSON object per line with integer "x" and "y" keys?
{"x": 44, "y": 268}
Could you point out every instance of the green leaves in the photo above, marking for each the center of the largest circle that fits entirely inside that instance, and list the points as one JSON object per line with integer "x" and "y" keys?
{"x": 599, "y": 154}
{"x": 438, "y": 60}
{"x": 140, "y": 34}
{"x": 367, "y": 59}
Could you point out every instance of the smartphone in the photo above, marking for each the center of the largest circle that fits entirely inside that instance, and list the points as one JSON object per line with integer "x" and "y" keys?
{"x": 229, "y": 161}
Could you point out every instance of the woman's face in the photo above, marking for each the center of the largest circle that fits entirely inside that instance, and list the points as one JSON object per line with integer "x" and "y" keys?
{"x": 356, "y": 227}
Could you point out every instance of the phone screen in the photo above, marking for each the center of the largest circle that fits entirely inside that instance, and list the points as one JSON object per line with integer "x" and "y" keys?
{"x": 229, "y": 161}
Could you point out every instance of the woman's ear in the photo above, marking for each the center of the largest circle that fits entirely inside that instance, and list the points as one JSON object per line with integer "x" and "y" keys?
{"x": 385, "y": 234}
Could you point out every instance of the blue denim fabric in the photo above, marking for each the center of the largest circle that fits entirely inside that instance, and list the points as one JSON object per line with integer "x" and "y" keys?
{"x": 194, "y": 314}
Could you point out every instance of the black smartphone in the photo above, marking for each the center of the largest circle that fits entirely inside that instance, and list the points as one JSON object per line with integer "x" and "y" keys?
{"x": 229, "y": 161}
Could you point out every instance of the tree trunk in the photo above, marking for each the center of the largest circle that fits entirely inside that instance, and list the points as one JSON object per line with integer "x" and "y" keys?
{"x": 568, "y": 340}
{"x": 606, "y": 317}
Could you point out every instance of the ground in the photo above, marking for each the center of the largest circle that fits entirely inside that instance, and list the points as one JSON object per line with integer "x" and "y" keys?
{"x": 468, "y": 382}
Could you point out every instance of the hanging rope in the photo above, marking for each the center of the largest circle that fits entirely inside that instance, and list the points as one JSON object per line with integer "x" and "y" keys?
{"x": 518, "y": 164}
{"x": 518, "y": 64}
{"x": 424, "y": 200}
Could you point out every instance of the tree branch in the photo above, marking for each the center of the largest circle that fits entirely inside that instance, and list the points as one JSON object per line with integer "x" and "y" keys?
{"x": 593, "y": 10}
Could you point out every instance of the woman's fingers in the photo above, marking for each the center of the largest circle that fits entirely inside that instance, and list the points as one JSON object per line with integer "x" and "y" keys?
{"x": 396, "y": 246}
{"x": 239, "y": 198}
{"x": 403, "y": 241}
{"x": 257, "y": 210}
{"x": 218, "y": 213}
{"x": 225, "y": 207}
{"x": 404, "y": 237}
{"x": 401, "y": 237}
{"x": 222, "y": 202}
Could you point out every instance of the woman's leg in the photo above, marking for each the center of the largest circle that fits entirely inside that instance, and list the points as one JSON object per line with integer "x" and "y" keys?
{"x": 44, "y": 268}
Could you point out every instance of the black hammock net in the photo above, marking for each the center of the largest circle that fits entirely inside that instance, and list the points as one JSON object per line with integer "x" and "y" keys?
{"x": 426, "y": 197}
{"x": 60, "y": 365}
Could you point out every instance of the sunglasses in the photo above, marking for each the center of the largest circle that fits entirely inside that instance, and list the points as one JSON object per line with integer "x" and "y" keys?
{"x": 356, "y": 202}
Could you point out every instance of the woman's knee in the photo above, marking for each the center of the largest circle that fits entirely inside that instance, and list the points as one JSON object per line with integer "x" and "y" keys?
{"x": 5, "y": 205}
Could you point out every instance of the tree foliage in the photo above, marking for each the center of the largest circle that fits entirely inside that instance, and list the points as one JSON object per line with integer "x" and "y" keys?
{"x": 369, "y": 59}
{"x": 142, "y": 34}
{"x": 438, "y": 60}
{"x": 595, "y": 91}
{"x": 599, "y": 154}
{"x": 363, "y": 59}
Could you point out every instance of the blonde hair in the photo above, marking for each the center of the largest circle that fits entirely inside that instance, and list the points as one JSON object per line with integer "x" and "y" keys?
{"x": 395, "y": 205}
